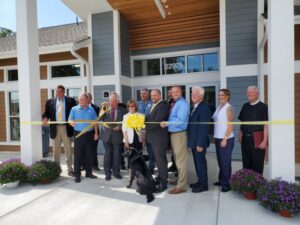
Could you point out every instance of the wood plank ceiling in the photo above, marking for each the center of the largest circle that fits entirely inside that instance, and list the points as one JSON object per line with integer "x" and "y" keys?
{"x": 190, "y": 22}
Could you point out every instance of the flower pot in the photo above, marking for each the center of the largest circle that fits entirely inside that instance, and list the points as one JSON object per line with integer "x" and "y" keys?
{"x": 250, "y": 195}
{"x": 45, "y": 181}
{"x": 285, "y": 213}
{"x": 12, "y": 184}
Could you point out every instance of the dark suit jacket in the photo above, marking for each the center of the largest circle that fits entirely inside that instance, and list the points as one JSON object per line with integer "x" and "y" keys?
{"x": 50, "y": 113}
{"x": 109, "y": 135}
{"x": 96, "y": 108}
{"x": 198, "y": 133}
{"x": 155, "y": 134}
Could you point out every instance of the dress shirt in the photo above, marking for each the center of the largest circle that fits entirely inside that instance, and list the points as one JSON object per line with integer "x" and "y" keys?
{"x": 179, "y": 114}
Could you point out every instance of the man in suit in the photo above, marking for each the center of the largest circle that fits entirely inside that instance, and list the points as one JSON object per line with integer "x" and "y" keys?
{"x": 95, "y": 143}
{"x": 58, "y": 109}
{"x": 198, "y": 139}
{"x": 112, "y": 137}
{"x": 158, "y": 137}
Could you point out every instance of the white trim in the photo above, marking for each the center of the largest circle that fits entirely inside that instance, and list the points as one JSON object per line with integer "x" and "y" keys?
{"x": 297, "y": 19}
{"x": 7, "y": 117}
{"x": 177, "y": 53}
{"x": 241, "y": 70}
{"x": 90, "y": 50}
{"x": 297, "y": 66}
{"x": 222, "y": 67}
{"x": 260, "y": 49}
{"x": 15, "y": 143}
{"x": 117, "y": 52}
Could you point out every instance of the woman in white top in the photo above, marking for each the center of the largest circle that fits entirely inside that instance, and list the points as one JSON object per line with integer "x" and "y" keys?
{"x": 132, "y": 138}
{"x": 224, "y": 139}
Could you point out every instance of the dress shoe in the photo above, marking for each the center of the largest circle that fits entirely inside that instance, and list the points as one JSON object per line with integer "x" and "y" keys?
{"x": 194, "y": 185}
{"x": 177, "y": 191}
{"x": 161, "y": 188}
{"x": 199, "y": 189}
{"x": 96, "y": 168}
{"x": 173, "y": 182}
{"x": 71, "y": 173}
{"x": 91, "y": 176}
{"x": 225, "y": 189}
{"x": 108, "y": 178}
{"x": 118, "y": 176}
{"x": 77, "y": 179}
{"x": 218, "y": 183}
{"x": 151, "y": 171}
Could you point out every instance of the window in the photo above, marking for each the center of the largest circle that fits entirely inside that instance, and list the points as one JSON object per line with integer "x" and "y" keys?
{"x": 173, "y": 65}
{"x": 147, "y": 67}
{"x": 14, "y": 116}
{"x": 65, "y": 71}
{"x": 210, "y": 62}
{"x": 12, "y": 75}
{"x": 194, "y": 63}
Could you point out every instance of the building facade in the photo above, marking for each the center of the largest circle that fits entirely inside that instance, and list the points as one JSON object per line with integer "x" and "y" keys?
{"x": 124, "y": 46}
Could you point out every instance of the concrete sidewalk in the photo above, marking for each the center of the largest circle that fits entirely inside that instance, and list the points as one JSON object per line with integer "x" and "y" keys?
{"x": 96, "y": 201}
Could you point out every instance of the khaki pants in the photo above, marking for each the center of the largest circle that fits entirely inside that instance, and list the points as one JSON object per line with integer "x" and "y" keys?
{"x": 179, "y": 147}
{"x": 61, "y": 136}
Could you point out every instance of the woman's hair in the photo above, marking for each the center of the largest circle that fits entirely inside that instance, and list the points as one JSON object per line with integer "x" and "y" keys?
{"x": 133, "y": 102}
{"x": 226, "y": 92}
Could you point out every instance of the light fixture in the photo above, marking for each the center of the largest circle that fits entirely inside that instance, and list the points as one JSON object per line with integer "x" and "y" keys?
{"x": 160, "y": 8}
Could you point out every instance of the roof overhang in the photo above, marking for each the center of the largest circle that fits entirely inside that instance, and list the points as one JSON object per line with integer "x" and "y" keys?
{"x": 87, "y": 7}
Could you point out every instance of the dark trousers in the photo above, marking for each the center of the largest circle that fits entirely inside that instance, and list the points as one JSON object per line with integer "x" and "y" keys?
{"x": 201, "y": 167}
{"x": 159, "y": 153}
{"x": 83, "y": 150}
{"x": 253, "y": 158}
{"x": 151, "y": 164}
{"x": 224, "y": 160}
{"x": 95, "y": 155}
{"x": 112, "y": 158}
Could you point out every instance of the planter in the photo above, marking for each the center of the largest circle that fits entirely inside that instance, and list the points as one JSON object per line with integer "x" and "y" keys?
{"x": 285, "y": 213}
{"x": 250, "y": 195}
{"x": 12, "y": 185}
{"x": 45, "y": 181}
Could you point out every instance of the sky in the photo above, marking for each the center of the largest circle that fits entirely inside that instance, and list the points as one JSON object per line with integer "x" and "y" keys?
{"x": 50, "y": 13}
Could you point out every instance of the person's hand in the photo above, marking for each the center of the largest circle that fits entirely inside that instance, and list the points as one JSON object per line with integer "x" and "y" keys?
{"x": 163, "y": 124}
{"x": 223, "y": 143}
{"x": 199, "y": 149}
{"x": 96, "y": 137}
{"x": 45, "y": 122}
{"x": 263, "y": 145}
{"x": 240, "y": 136}
{"x": 72, "y": 123}
{"x": 126, "y": 144}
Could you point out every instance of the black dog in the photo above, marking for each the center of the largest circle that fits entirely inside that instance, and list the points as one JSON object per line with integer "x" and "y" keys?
{"x": 140, "y": 170}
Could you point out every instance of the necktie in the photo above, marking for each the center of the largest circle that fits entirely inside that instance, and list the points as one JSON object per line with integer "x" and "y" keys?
{"x": 59, "y": 111}
{"x": 194, "y": 109}
{"x": 112, "y": 115}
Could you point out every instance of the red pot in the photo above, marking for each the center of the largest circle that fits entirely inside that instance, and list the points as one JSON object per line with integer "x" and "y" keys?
{"x": 46, "y": 181}
{"x": 250, "y": 195}
{"x": 285, "y": 213}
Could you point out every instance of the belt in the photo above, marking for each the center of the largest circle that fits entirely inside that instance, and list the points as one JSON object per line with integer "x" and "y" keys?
{"x": 60, "y": 124}
{"x": 175, "y": 132}
{"x": 78, "y": 132}
{"x": 248, "y": 134}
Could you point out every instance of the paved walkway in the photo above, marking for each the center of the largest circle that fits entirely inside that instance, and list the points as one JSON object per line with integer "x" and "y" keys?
{"x": 109, "y": 203}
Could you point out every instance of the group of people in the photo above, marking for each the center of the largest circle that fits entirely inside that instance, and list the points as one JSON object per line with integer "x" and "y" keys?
{"x": 170, "y": 123}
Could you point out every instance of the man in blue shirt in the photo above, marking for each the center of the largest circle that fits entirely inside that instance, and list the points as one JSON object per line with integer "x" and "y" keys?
{"x": 83, "y": 145}
{"x": 177, "y": 125}
{"x": 145, "y": 105}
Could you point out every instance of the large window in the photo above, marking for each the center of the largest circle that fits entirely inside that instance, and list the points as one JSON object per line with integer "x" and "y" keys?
{"x": 177, "y": 65}
{"x": 70, "y": 92}
{"x": 174, "y": 65}
{"x": 146, "y": 67}
{"x": 65, "y": 71}
{"x": 12, "y": 75}
{"x": 14, "y": 116}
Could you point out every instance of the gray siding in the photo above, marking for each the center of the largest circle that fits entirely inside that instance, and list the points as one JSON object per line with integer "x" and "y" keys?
{"x": 125, "y": 48}
{"x": 238, "y": 87}
{"x": 241, "y": 32}
{"x": 174, "y": 49}
{"x": 98, "y": 99}
{"x": 126, "y": 93}
{"x": 103, "y": 44}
